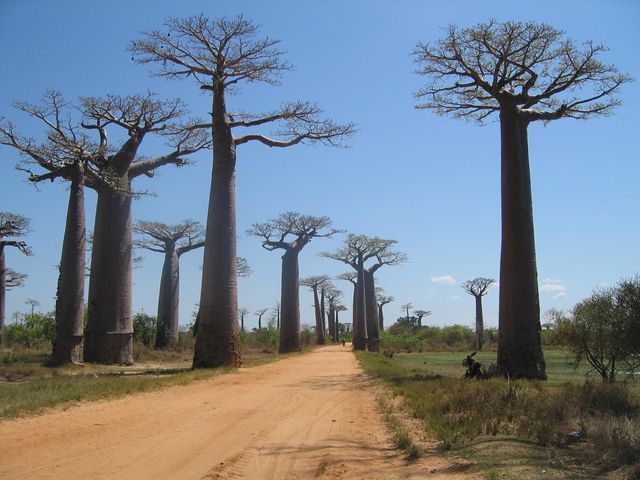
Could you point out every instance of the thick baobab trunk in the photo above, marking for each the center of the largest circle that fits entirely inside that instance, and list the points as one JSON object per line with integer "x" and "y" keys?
{"x": 218, "y": 342}
{"x": 67, "y": 344}
{"x": 168, "y": 300}
{"x": 373, "y": 325}
{"x": 519, "y": 348}
{"x": 336, "y": 338}
{"x": 380, "y": 318}
{"x": 109, "y": 333}
{"x": 330, "y": 316}
{"x": 479, "y": 323}
{"x": 359, "y": 320}
{"x": 322, "y": 313}
{"x": 316, "y": 307}
{"x": 290, "y": 303}
{"x": 3, "y": 285}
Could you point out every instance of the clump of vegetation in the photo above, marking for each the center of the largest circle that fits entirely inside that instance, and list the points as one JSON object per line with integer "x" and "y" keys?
{"x": 29, "y": 331}
{"x": 455, "y": 411}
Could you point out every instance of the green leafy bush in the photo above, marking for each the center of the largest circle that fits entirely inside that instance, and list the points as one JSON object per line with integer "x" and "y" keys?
{"x": 144, "y": 328}
{"x": 30, "y": 331}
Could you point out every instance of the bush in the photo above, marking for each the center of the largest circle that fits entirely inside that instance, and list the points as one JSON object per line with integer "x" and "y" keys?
{"x": 30, "y": 331}
{"x": 144, "y": 329}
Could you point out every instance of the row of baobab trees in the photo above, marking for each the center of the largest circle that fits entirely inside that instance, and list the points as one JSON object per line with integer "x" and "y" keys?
{"x": 521, "y": 72}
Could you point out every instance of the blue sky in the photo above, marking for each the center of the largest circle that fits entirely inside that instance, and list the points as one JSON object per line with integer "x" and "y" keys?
{"x": 431, "y": 183}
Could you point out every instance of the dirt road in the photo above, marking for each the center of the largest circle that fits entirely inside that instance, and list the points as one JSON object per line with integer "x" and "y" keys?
{"x": 309, "y": 416}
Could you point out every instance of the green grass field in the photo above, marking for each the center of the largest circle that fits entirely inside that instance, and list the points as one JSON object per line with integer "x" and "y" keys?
{"x": 515, "y": 430}
{"x": 449, "y": 364}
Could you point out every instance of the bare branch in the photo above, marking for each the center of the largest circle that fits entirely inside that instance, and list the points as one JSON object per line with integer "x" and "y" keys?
{"x": 277, "y": 232}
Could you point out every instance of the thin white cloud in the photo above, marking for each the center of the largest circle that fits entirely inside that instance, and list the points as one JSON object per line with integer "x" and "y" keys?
{"x": 444, "y": 280}
{"x": 555, "y": 286}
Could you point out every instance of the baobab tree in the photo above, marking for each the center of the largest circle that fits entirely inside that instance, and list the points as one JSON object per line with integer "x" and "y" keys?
{"x": 338, "y": 308}
{"x": 352, "y": 278}
{"x": 276, "y": 312}
{"x": 220, "y": 55}
{"x": 108, "y": 337}
{"x": 382, "y": 300}
{"x": 356, "y": 251}
{"x": 478, "y": 287}
{"x": 315, "y": 283}
{"x": 290, "y": 232}
{"x": 333, "y": 295}
{"x": 242, "y": 311}
{"x": 68, "y": 154}
{"x": 33, "y": 303}
{"x": 406, "y": 308}
{"x": 259, "y": 314}
{"x": 14, "y": 279}
{"x": 173, "y": 241}
{"x": 524, "y": 72}
{"x": 12, "y": 226}
{"x": 419, "y": 314}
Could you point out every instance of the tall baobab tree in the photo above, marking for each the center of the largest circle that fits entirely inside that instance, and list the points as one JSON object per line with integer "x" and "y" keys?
{"x": 220, "y": 55}
{"x": 478, "y": 287}
{"x": 352, "y": 278}
{"x": 523, "y": 72}
{"x": 382, "y": 300}
{"x": 338, "y": 308}
{"x": 173, "y": 241}
{"x": 259, "y": 314}
{"x": 242, "y": 311}
{"x": 333, "y": 296}
{"x": 71, "y": 155}
{"x": 419, "y": 314}
{"x": 315, "y": 283}
{"x": 356, "y": 251}
{"x": 290, "y": 232}
{"x": 12, "y": 226}
{"x": 406, "y": 308}
{"x": 108, "y": 337}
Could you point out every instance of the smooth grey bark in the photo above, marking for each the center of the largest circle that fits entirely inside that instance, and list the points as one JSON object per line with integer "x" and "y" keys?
{"x": 290, "y": 303}
{"x": 479, "y": 323}
{"x": 519, "y": 346}
{"x": 360, "y": 334}
{"x": 323, "y": 311}
{"x": 3, "y": 285}
{"x": 218, "y": 341}
{"x": 109, "y": 333}
{"x": 320, "y": 339}
{"x": 168, "y": 300}
{"x": 372, "y": 320}
{"x": 69, "y": 316}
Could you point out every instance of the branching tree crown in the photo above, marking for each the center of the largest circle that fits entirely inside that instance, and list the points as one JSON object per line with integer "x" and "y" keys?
{"x": 220, "y": 55}
{"x": 478, "y": 287}
{"x": 473, "y": 72}
{"x": 13, "y": 225}
{"x": 358, "y": 249}
{"x": 291, "y": 230}
{"x": 185, "y": 236}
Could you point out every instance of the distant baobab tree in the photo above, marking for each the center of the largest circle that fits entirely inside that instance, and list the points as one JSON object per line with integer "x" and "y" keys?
{"x": 290, "y": 232}
{"x": 352, "y": 278}
{"x": 220, "y": 55}
{"x": 333, "y": 296}
{"x": 406, "y": 308}
{"x": 355, "y": 252}
{"x": 478, "y": 287}
{"x": 315, "y": 283}
{"x": 259, "y": 314}
{"x": 242, "y": 311}
{"x": 12, "y": 226}
{"x": 338, "y": 308}
{"x": 173, "y": 241}
{"x": 523, "y": 72}
{"x": 33, "y": 303}
{"x": 419, "y": 314}
{"x": 382, "y": 300}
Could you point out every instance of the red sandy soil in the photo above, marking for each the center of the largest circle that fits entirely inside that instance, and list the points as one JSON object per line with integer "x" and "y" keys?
{"x": 307, "y": 416}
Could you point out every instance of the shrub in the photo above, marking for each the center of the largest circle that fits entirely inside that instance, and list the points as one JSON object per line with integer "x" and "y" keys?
{"x": 30, "y": 331}
{"x": 144, "y": 328}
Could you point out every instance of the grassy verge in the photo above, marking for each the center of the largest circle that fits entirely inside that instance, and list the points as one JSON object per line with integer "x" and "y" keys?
{"x": 30, "y": 387}
{"x": 519, "y": 429}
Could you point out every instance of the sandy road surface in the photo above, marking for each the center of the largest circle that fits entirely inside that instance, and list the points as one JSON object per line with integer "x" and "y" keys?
{"x": 311, "y": 416}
